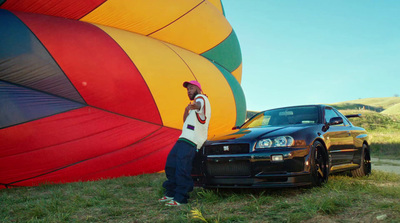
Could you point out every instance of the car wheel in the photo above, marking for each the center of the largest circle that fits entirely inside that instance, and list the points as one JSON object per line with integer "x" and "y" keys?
{"x": 319, "y": 164}
{"x": 365, "y": 167}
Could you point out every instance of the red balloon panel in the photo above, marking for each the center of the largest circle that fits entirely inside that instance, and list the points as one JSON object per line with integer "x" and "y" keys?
{"x": 68, "y": 146}
{"x": 96, "y": 65}
{"x": 72, "y": 9}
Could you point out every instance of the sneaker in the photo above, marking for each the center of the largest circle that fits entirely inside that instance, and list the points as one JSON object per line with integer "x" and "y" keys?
{"x": 165, "y": 198}
{"x": 173, "y": 203}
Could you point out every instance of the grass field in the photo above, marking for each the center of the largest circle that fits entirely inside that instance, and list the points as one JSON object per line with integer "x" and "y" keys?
{"x": 383, "y": 103}
{"x": 134, "y": 199}
{"x": 393, "y": 110}
{"x": 384, "y": 132}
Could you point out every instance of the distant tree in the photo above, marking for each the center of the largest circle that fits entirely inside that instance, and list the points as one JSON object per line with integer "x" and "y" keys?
{"x": 396, "y": 95}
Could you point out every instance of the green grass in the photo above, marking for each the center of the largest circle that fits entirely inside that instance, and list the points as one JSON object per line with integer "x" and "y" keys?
{"x": 371, "y": 120}
{"x": 385, "y": 162}
{"x": 392, "y": 110}
{"x": 385, "y": 144}
{"x": 134, "y": 199}
{"x": 384, "y": 132}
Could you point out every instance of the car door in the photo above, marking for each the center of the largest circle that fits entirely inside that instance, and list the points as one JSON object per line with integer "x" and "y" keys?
{"x": 339, "y": 140}
{"x": 354, "y": 133}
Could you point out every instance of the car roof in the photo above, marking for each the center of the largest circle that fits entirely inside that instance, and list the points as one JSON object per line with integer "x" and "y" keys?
{"x": 296, "y": 106}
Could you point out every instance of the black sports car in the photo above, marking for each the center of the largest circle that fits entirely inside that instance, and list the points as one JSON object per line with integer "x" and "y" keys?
{"x": 284, "y": 147}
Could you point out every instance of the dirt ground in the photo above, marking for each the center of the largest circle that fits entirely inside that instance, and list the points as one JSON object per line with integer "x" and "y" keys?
{"x": 386, "y": 165}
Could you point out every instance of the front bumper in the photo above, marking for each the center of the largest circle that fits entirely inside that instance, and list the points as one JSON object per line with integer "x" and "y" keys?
{"x": 253, "y": 170}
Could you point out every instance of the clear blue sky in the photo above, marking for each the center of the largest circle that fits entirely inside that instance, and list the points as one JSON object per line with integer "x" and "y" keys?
{"x": 316, "y": 51}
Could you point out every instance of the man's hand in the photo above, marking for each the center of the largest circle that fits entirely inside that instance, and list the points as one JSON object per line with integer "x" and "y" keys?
{"x": 194, "y": 106}
{"x": 191, "y": 106}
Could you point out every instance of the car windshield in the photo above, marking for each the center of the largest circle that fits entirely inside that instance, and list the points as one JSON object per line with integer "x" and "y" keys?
{"x": 284, "y": 116}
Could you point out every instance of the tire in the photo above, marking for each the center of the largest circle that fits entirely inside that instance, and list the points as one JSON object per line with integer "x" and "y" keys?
{"x": 319, "y": 164}
{"x": 365, "y": 167}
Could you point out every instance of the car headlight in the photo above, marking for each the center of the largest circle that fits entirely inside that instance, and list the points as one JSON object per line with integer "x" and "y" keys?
{"x": 280, "y": 141}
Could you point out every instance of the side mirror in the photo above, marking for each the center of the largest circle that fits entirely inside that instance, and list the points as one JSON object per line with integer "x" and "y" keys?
{"x": 236, "y": 127}
{"x": 336, "y": 121}
{"x": 333, "y": 121}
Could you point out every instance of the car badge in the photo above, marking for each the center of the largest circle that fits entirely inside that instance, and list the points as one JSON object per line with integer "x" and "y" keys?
{"x": 226, "y": 148}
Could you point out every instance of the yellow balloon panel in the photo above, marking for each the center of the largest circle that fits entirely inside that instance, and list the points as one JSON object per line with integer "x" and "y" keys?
{"x": 199, "y": 31}
{"x": 140, "y": 16}
{"x": 238, "y": 73}
{"x": 217, "y": 89}
{"x": 162, "y": 69}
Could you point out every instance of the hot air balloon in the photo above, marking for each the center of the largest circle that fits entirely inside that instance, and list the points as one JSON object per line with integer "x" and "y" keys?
{"x": 93, "y": 89}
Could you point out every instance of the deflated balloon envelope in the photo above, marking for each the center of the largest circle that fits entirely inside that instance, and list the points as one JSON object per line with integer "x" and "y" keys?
{"x": 93, "y": 89}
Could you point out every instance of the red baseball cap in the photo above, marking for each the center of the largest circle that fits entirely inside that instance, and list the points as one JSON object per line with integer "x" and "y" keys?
{"x": 185, "y": 84}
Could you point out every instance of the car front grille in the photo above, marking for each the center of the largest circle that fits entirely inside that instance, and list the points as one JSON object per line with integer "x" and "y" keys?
{"x": 227, "y": 149}
{"x": 237, "y": 168}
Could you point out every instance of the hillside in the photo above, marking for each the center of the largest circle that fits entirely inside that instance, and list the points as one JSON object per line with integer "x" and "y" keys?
{"x": 372, "y": 120}
{"x": 392, "y": 110}
{"x": 387, "y": 105}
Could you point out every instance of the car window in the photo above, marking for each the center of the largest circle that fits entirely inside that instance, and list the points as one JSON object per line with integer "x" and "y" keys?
{"x": 330, "y": 113}
{"x": 345, "y": 120}
{"x": 285, "y": 116}
{"x": 259, "y": 120}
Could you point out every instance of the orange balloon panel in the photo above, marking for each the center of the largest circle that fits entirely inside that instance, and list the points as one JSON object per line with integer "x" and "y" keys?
{"x": 198, "y": 31}
{"x": 194, "y": 25}
{"x": 143, "y": 16}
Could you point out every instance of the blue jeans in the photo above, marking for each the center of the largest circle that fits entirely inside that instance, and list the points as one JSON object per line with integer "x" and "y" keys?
{"x": 178, "y": 169}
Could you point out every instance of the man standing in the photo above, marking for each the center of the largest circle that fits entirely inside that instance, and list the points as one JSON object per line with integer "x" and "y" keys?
{"x": 194, "y": 133}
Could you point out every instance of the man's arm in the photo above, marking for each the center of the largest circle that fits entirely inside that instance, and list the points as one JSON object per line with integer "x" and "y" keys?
{"x": 192, "y": 106}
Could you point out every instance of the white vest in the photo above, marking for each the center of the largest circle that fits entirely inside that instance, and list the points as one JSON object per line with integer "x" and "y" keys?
{"x": 195, "y": 128}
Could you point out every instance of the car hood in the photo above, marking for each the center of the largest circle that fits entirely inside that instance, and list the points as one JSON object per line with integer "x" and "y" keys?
{"x": 256, "y": 133}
